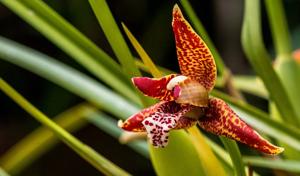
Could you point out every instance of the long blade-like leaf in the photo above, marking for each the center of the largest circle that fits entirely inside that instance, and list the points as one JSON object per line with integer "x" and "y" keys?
{"x": 71, "y": 41}
{"x": 261, "y": 61}
{"x": 235, "y": 155}
{"x": 114, "y": 36}
{"x": 279, "y": 28}
{"x": 287, "y": 165}
{"x": 3, "y": 172}
{"x": 44, "y": 139}
{"x": 142, "y": 53}
{"x": 108, "y": 125}
{"x": 250, "y": 84}
{"x": 86, "y": 152}
{"x": 66, "y": 77}
{"x": 180, "y": 153}
{"x": 211, "y": 164}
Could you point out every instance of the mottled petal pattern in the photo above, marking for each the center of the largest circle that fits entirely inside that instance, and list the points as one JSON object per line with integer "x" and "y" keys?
{"x": 158, "y": 126}
{"x": 195, "y": 58}
{"x": 158, "y": 120}
{"x": 156, "y": 87}
{"x": 166, "y": 117}
{"x": 185, "y": 122}
{"x": 134, "y": 122}
{"x": 221, "y": 120}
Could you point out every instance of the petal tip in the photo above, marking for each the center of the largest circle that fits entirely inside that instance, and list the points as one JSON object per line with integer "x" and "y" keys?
{"x": 279, "y": 150}
{"x": 176, "y": 13}
{"x": 176, "y": 8}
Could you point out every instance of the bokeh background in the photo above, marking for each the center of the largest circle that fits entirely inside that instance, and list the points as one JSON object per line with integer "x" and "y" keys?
{"x": 150, "y": 22}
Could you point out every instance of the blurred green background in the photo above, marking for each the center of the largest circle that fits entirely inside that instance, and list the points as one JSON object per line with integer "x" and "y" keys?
{"x": 150, "y": 22}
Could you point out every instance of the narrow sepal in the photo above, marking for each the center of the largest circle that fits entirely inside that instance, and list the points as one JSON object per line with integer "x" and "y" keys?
{"x": 195, "y": 58}
{"x": 221, "y": 120}
{"x": 155, "y": 87}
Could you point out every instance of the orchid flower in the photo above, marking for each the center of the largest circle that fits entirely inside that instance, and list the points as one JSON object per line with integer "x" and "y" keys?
{"x": 185, "y": 98}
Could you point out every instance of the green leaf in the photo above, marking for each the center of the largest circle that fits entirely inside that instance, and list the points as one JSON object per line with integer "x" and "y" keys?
{"x": 74, "y": 43}
{"x": 66, "y": 77}
{"x": 44, "y": 139}
{"x": 287, "y": 68}
{"x": 261, "y": 61}
{"x": 220, "y": 153}
{"x": 71, "y": 120}
{"x": 279, "y": 28}
{"x": 288, "y": 71}
{"x": 108, "y": 125}
{"x": 250, "y": 84}
{"x": 178, "y": 158}
{"x": 117, "y": 42}
{"x": 235, "y": 155}
{"x": 278, "y": 164}
{"x": 86, "y": 152}
{"x": 114, "y": 36}
{"x": 3, "y": 172}
{"x": 211, "y": 164}
{"x": 142, "y": 53}
{"x": 145, "y": 68}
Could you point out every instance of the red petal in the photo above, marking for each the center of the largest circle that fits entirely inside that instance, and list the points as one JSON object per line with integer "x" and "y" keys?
{"x": 195, "y": 58}
{"x": 134, "y": 122}
{"x": 221, "y": 120}
{"x": 158, "y": 120}
{"x": 155, "y": 87}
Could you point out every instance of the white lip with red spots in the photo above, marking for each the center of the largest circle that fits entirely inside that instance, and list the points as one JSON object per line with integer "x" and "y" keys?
{"x": 158, "y": 127}
{"x": 159, "y": 124}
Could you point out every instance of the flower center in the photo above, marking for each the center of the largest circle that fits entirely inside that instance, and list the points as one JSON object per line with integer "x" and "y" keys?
{"x": 173, "y": 82}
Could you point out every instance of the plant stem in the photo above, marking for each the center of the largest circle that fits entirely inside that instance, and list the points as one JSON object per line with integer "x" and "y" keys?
{"x": 86, "y": 152}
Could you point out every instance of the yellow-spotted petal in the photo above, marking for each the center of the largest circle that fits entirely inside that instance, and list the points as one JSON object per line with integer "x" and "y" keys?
{"x": 194, "y": 57}
{"x": 221, "y": 120}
